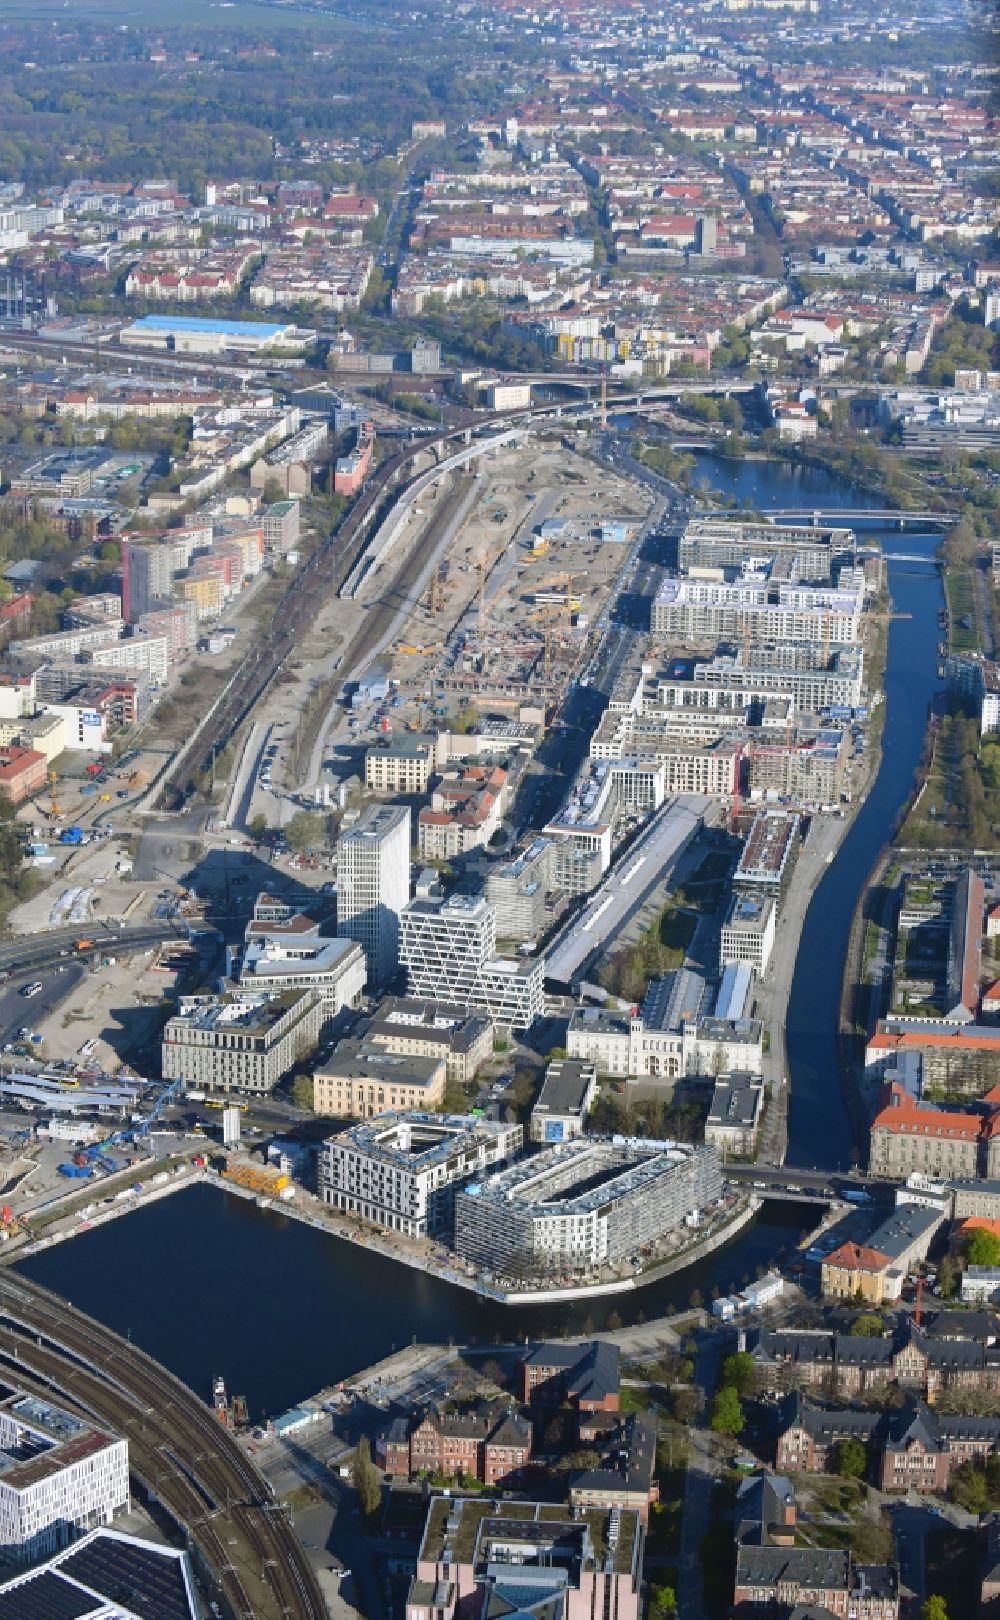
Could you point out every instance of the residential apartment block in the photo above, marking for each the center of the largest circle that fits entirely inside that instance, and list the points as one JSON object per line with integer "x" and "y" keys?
{"x": 448, "y": 948}
{"x": 581, "y": 1205}
{"x": 401, "y": 1171}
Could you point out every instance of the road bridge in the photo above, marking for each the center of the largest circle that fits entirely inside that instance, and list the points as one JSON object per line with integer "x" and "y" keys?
{"x": 864, "y": 514}
{"x": 178, "y": 1450}
{"x": 790, "y": 1184}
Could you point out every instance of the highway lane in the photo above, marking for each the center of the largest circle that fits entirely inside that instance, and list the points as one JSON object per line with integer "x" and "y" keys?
{"x": 18, "y": 1011}
{"x": 39, "y": 950}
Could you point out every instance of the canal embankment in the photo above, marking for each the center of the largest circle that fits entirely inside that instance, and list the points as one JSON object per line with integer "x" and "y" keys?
{"x": 425, "y": 1256}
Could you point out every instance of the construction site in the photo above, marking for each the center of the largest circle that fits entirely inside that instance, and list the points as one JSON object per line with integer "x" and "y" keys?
{"x": 507, "y": 611}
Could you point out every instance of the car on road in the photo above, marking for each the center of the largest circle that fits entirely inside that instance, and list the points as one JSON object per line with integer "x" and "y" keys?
{"x": 122, "y": 793}
{"x": 30, "y": 990}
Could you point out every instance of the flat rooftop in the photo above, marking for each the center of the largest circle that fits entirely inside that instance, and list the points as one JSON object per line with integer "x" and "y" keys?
{"x": 768, "y": 846}
{"x": 627, "y": 881}
{"x": 204, "y": 323}
{"x": 417, "y": 1141}
{"x": 565, "y": 1088}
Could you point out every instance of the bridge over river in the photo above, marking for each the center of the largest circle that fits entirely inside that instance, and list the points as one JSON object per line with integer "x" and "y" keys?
{"x": 864, "y": 514}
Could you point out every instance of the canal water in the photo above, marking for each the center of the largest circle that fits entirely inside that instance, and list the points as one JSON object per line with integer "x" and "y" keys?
{"x": 211, "y": 1284}
{"x": 208, "y": 1283}
{"x": 819, "y": 1123}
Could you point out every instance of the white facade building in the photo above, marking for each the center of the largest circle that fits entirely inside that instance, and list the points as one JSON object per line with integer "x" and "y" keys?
{"x": 334, "y": 968}
{"x": 583, "y": 1204}
{"x": 706, "y": 609}
{"x": 58, "y": 1476}
{"x": 748, "y": 931}
{"x": 400, "y": 1170}
{"x": 373, "y": 886}
{"x": 448, "y": 948}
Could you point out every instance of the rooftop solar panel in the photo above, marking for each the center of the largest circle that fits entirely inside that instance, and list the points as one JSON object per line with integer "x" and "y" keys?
{"x": 45, "y": 1596}
{"x": 148, "y": 1581}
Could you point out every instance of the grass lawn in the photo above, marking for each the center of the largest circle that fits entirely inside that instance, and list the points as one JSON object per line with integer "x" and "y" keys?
{"x": 961, "y": 596}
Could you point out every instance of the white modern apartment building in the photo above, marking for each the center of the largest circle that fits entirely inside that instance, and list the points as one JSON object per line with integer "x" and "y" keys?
{"x": 373, "y": 886}
{"x": 448, "y": 948}
{"x": 59, "y": 1475}
{"x": 707, "y": 609}
{"x": 400, "y": 1171}
{"x": 148, "y": 654}
{"x": 334, "y": 968}
{"x": 802, "y": 551}
{"x": 748, "y": 931}
{"x": 729, "y": 683}
{"x": 581, "y": 1205}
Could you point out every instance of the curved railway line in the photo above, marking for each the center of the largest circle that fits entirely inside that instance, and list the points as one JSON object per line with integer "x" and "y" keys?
{"x": 177, "y": 1449}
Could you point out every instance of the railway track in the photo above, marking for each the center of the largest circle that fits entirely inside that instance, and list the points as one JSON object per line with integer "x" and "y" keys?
{"x": 177, "y": 1448}
{"x": 381, "y": 612}
{"x": 322, "y": 572}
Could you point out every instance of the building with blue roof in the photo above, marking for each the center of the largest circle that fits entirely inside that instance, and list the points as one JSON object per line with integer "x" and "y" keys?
{"x": 203, "y": 334}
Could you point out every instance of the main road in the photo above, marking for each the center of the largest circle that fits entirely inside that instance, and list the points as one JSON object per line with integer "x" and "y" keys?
{"x": 177, "y": 1448}
{"x": 45, "y": 949}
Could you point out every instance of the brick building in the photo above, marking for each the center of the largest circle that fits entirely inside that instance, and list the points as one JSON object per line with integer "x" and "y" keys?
{"x": 957, "y": 1352}
{"x": 23, "y": 771}
{"x": 489, "y": 1442}
{"x": 909, "y": 1448}
{"x": 584, "y": 1375}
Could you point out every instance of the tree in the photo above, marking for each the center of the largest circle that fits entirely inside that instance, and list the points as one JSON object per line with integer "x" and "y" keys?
{"x": 934, "y": 1608}
{"x": 738, "y": 1372}
{"x": 365, "y": 1479}
{"x": 982, "y": 1248}
{"x": 852, "y": 1458}
{"x": 573, "y": 1462}
{"x": 303, "y": 1091}
{"x": 306, "y": 830}
{"x": 948, "y": 1276}
{"x": 968, "y": 1487}
{"x": 866, "y": 1326}
{"x": 686, "y": 1404}
{"x": 257, "y": 827}
{"x": 663, "y": 1602}
{"x": 727, "y": 1413}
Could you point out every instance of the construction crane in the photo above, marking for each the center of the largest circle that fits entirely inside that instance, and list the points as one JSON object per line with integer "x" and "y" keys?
{"x": 55, "y": 808}
{"x": 141, "y": 1129}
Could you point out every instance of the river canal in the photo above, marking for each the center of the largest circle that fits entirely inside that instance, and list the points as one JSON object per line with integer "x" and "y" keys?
{"x": 211, "y": 1284}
